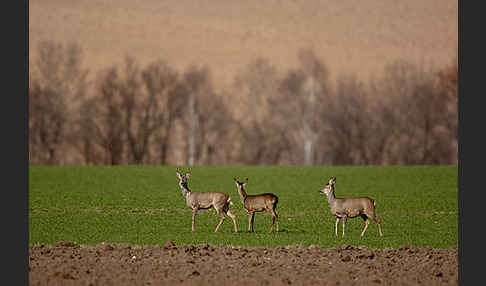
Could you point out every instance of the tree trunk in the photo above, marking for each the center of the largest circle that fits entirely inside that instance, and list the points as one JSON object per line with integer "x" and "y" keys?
{"x": 193, "y": 129}
{"x": 310, "y": 134}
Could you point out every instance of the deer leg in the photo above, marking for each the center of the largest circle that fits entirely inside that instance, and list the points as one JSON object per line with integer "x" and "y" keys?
{"x": 253, "y": 222}
{"x": 367, "y": 223}
{"x": 221, "y": 214}
{"x": 274, "y": 220}
{"x": 250, "y": 221}
{"x": 233, "y": 217}
{"x": 338, "y": 219}
{"x": 345, "y": 218}
{"x": 378, "y": 222}
{"x": 194, "y": 211}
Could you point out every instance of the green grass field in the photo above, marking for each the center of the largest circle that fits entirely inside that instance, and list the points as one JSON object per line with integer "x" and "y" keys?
{"x": 143, "y": 205}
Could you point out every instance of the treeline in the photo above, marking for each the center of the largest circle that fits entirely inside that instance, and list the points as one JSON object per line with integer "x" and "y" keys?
{"x": 153, "y": 114}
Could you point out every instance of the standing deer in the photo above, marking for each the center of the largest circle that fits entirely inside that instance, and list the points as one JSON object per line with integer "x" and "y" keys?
{"x": 205, "y": 200}
{"x": 257, "y": 203}
{"x": 350, "y": 207}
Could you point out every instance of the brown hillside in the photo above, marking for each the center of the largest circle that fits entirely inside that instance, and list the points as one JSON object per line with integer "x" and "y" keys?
{"x": 352, "y": 36}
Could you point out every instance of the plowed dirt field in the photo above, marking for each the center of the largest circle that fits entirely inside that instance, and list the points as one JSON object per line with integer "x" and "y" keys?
{"x": 68, "y": 263}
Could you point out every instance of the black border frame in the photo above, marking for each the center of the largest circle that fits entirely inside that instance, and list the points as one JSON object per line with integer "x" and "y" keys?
{"x": 15, "y": 210}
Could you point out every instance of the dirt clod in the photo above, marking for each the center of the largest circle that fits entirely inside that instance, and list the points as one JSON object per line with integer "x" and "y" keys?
{"x": 66, "y": 244}
{"x": 347, "y": 258}
{"x": 169, "y": 244}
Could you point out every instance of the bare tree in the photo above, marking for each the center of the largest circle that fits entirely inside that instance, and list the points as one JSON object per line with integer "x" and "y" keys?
{"x": 207, "y": 118}
{"x": 258, "y": 131}
{"x": 196, "y": 83}
{"x": 419, "y": 114}
{"x": 215, "y": 124}
{"x": 398, "y": 119}
{"x": 447, "y": 86}
{"x": 383, "y": 121}
{"x": 102, "y": 122}
{"x": 288, "y": 109}
{"x": 146, "y": 97}
{"x": 315, "y": 87}
{"x": 297, "y": 105}
{"x": 135, "y": 112}
{"x": 131, "y": 116}
{"x": 163, "y": 106}
{"x": 346, "y": 117}
{"x": 56, "y": 79}
{"x": 47, "y": 121}
{"x": 358, "y": 124}
{"x": 89, "y": 144}
{"x": 134, "y": 115}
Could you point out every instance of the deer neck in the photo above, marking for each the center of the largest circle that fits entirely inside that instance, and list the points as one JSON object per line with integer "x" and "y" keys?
{"x": 331, "y": 197}
{"x": 184, "y": 189}
{"x": 242, "y": 193}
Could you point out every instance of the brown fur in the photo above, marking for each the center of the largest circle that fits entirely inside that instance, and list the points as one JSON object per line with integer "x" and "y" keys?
{"x": 206, "y": 200}
{"x": 344, "y": 208}
{"x": 257, "y": 203}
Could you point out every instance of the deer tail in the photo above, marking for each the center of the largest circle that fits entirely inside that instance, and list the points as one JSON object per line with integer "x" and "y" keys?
{"x": 229, "y": 201}
{"x": 275, "y": 200}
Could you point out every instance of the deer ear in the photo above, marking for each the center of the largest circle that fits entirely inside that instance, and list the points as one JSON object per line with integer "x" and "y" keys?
{"x": 188, "y": 175}
{"x": 178, "y": 174}
{"x": 246, "y": 181}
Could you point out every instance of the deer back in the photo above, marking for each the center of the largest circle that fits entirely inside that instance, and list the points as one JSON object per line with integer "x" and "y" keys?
{"x": 260, "y": 202}
{"x": 353, "y": 206}
{"x": 206, "y": 199}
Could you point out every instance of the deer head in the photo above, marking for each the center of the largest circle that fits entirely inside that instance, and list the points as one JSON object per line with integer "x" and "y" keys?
{"x": 326, "y": 190}
{"x": 240, "y": 184}
{"x": 183, "y": 178}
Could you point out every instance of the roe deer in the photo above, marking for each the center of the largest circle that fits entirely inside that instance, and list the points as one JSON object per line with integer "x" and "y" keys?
{"x": 205, "y": 200}
{"x": 257, "y": 203}
{"x": 350, "y": 207}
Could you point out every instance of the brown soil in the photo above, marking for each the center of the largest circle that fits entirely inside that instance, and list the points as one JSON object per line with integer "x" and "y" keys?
{"x": 67, "y": 263}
